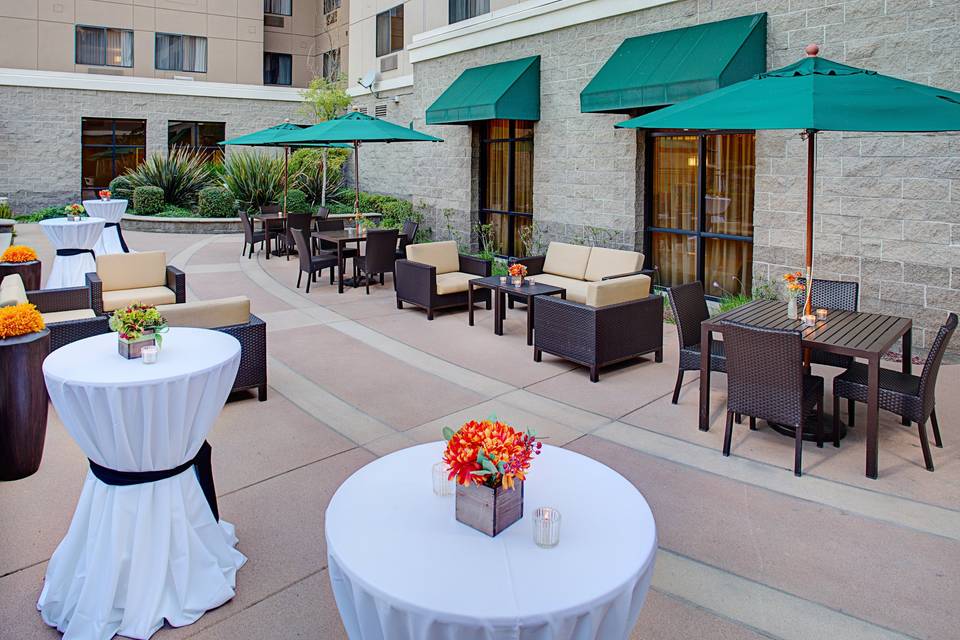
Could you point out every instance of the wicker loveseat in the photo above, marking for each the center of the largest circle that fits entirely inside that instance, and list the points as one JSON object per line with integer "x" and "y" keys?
{"x": 66, "y": 312}
{"x": 435, "y": 276}
{"x": 124, "y": 278}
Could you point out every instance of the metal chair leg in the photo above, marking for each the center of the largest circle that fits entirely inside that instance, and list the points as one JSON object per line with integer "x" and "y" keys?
{"x": 728, "y": 434}
{"x": 851, "y": 411}
{"x": 798, "y": 450}
{"x": 925, "y": 446}
{"x": 836, "y": 421}
{"x": 936, "y": 429}
{"x": 820, "y": 423}
{"x": 676, "y": 387}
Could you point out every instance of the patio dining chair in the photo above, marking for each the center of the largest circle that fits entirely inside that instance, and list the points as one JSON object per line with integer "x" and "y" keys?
{"x": 251, "y": 236}
{"x": 690, "y": 309}
{"x": 908, "y": 396}
{"x": 302, "y": 221}
{"x": 765, "y": 380}
{"x": 407, "y": 233}
{"x": 380, "y": 256}
{"x": 350, "y": 251}
{"x": 309, "y": 263}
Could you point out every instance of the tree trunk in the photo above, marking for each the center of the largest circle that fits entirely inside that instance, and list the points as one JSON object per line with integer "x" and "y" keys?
{"x": 323, "y": 193}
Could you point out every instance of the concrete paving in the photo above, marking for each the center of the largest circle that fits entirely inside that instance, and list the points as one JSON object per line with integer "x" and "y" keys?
{"x": 746, "y": 549}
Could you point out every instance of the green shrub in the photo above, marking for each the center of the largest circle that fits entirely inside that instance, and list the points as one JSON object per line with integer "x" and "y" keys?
{"x": 306, "y": 172}
{"x": 5, "y": 210}
{"x": 296, "y": 201}
{"x": 255, "y": 179}
{"x": 43, "y": 214}
{"x": 181, "y": 174}
{"x": 121, "y": 188}
{"x": 148, "y": 200}
{"x": 216, "y": 202}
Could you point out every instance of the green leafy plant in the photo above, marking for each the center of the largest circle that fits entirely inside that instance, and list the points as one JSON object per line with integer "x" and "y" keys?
{"x": 121, "y": 188}
{"x": 181, "y": 174}
{"x": 297, "y": 201}
{"x": 147, "y": 200}
{"x": 42, "y": 214}
{"x": 5, "y": 210}
{"x": 254, "y": 178}
{"x": 323, "y": 100}
{"x": 133, "y": 321}
{"x": 729, "y": 302}
{"x": 306, "y": 165}
{"x": 216, "y": 202}
{"x": 533, "y": 239}
{"x": 452, "y": 233}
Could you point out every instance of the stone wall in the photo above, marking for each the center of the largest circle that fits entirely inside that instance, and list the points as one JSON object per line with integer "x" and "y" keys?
{"x": 40, "y": 132}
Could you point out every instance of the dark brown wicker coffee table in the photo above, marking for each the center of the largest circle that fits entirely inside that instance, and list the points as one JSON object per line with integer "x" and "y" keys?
{"x": 525, "y": 293}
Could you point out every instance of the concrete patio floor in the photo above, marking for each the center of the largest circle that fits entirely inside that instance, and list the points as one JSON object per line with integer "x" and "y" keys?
{"x": 746, "y": 549}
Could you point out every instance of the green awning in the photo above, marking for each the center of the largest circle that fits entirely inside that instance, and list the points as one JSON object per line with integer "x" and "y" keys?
{"x": 508, "y": 90}
{"x": 668, "y": 67}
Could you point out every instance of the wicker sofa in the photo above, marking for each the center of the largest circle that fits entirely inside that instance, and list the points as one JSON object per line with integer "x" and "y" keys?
{"x": 123, "y": 278}
{"x": 435, "y": 276}
{"x": 66, "y": 312}
{"x": 232, "y": 316}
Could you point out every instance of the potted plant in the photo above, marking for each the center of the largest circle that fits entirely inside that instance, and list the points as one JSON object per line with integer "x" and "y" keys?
{"x": 792, "y": 284}
{"x": 137, "y": 326}
{"x": 24, "y": 343}
{"x": 74, "y": 211}
{"x": 23, "y": 260}
{"x": 489, "y": 460}
{"x": 104, "y": 194}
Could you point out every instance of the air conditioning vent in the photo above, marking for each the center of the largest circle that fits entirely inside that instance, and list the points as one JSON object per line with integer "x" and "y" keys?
{"x": 388, "y": 64}
{"x": 362, "y": 110}
{"x": 380, "y": 111}
{"x": 273, "y": 21}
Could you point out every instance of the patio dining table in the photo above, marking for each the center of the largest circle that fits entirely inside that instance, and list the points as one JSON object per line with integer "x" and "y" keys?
{"x": 342, "y": 237}
{"x": 273, "y": 223}
{"x": 849, "y": 333}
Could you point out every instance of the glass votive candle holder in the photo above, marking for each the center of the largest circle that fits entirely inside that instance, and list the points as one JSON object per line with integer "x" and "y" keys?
{"x": 546, "y": 527}
{"x": 149, "y": 354}
{"x": 503, "y": 279}
{"x": 821, "y": 314}
{"x": 809, "y": 319}
{"x": 441, "y": 485}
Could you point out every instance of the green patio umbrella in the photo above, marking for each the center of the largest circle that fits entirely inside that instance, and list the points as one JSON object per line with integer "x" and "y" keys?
{"x": 813, "y": 94}
{"x": 355, "y": 128}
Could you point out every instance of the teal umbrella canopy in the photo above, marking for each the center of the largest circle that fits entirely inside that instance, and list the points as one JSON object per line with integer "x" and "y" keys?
{"x": 815, "y": 94}
{"x": 270, "y": 137}
{"x": 356, "y": 127}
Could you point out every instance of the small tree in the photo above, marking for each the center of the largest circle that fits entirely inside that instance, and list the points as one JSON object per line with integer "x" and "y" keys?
{"x": 324, "y": 100}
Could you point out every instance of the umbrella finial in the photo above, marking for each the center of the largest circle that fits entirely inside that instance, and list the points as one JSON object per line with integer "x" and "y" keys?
{"x": 812, "y": 49}
{"x": 287, "y": 120}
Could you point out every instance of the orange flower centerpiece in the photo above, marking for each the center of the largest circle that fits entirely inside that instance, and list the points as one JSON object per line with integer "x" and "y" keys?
{"x": 22, "y": 260}
{"x": 73, "y": 211}
{"x": 794, "y": 287}
{"x": 518, "y": 272}
{"x": 104, "y": 194}
{"x": 489, "y": 460}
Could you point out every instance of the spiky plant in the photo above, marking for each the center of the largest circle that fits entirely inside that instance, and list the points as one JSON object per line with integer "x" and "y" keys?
{"x": 181, "y": 174}
{"x": 255, "y": 179}
{"x": 307, "y": 166}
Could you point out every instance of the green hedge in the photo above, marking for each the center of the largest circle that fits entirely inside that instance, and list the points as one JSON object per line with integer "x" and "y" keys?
{"x": 215, "y": 202}
{"x": 148, "y": 200}
{"x": 297, "y": 201}
{"x": 121, "y": 188}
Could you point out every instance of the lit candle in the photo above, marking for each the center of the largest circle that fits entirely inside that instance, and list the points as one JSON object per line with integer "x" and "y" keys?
{"x": 546, "y": 527}
{"x": 810, "y": 320}
{"x": 821, "y": 314}
{"x": 149, "y": 354}
{"x": 503, "y": 279}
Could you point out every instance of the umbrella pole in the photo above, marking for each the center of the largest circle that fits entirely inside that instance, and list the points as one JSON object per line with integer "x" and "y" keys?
{"x": 356, "y": 175}
{"x": 286, "y": 164}
{"x": 811, "y": 155}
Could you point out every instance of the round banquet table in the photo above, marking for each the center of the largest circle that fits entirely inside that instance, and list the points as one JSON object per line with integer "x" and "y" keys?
{"x": 74, "y": 242}
{"x": 403, "y": 568}
{"x": 138, "y": 554}
{"x": 112, "y": 210}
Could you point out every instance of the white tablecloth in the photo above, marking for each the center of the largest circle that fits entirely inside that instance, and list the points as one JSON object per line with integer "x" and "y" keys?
{"x": 136, "y": 555}
{"x": 69, "y": 271}
{"x": 403, "y": 568}
{"x": 112, "y": 211}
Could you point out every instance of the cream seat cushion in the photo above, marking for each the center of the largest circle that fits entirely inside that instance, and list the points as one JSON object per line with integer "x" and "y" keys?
{"x": 207, "y": 314}
{"x": 454, "y": 282}
{"x": 12, "y": 291}
{"x": 607, "y": 292}
{"x": 66, "y": 316}
{"x": 146, "y": 295}
{"x": 568, "y": 260}
{"x": 140, "y": 270}
{"x": 605, "y": 262}
{"x": 576, "y": 289}
{"x": 442, "y": 255}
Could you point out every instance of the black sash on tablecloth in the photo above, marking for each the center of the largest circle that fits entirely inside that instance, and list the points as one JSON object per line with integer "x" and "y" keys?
{"x": 75, "y": 252}
{"x": 123, "y": 243}
{"x": 201, "y": 462}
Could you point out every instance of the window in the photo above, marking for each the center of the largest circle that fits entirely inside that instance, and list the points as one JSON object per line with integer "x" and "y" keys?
{"x": 390, "y": 31}
{"x": 108, "y": 148}
{"x": 466, "y": 9}
{"x": 330, "y": 5}
{"x": 506, "y": 182}
{"x": 104, "y": 47}
{"x": 331, "y": 65}
{"x": 277, "y": 68}
{"x": 181, "y": 53}
{"x": 700, "y": 210}
{"x": 203, "y": 137}
{"x": 278, "y": 7}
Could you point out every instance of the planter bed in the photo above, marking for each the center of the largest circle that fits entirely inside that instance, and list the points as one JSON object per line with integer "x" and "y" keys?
{"x": 181, "y": 225}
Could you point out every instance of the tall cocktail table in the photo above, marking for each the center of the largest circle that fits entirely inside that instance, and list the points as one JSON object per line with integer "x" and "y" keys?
{"x": 526, "y": 292}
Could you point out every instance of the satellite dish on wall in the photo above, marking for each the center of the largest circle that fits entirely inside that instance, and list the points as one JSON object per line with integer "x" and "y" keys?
{"x": 368, "y": 79}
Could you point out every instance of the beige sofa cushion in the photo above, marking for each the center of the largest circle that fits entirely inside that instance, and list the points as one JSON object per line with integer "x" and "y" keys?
{"x": 607, "y": 292}
{"x": 576, "y": 289}
{"x": 208, "y": 314}
{"x": 12, "y": 291}
{"x": 132, "y": 270}
{"x": 605, "y": 262}
{"x": 568, "y": 260}
{"x": 146, "y": 295}
{"x": 66, "y": 316}
{"x": 442, "y": 255}
{"x": 454, "y": 282}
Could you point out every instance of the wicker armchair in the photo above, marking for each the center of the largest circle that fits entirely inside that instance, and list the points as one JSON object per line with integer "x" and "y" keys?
{"x": 124, "y": 278}
{"x": 909, "y": 396}
{"x": 58, "y": 307}
{"x": 690, "y": 309}
{"x": 597, "y": 336}
{"x": 765, "y": 380}
{"x": 440, "y": 283}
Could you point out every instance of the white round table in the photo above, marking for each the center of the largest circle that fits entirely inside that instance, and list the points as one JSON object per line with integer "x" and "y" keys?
{"x": 112, "y": 210}
{"x": 138, "y": 554}
{"x": 74, "y": 242}
{"x": 403, "y": 568}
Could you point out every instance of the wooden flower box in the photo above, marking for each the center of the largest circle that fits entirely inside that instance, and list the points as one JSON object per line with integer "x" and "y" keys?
{"x": 131, "y": 349}
{"x": 489, "y": 510}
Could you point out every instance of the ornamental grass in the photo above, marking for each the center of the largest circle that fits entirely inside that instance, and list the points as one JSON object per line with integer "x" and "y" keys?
{"x": 18, "y": 253}
{"x": 19, "y": 320}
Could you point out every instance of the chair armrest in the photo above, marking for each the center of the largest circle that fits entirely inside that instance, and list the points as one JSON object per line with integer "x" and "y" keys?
{"x": 642, "y": 272}
{"x": 416, "y": 282}
{"x": 474, "y": 265}
{"x": 177, "y": 282}
{"x": 534, "y": 264}
{"x": 67, "y": 299}
{"x": 95, "y": 284}
{"x": 630, "y": 327}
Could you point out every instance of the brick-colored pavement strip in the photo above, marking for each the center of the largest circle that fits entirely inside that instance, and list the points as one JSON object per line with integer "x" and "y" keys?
{"x": 747, "y": 550}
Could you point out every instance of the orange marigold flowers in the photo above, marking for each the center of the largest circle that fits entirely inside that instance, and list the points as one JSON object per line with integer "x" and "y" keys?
{"x": 517, "y": 270}
{"x": 489, "y": 452}
{"x": 18, "y": 253}
{"x": 19, "y": 320}
{"x": 792, "y": 281}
